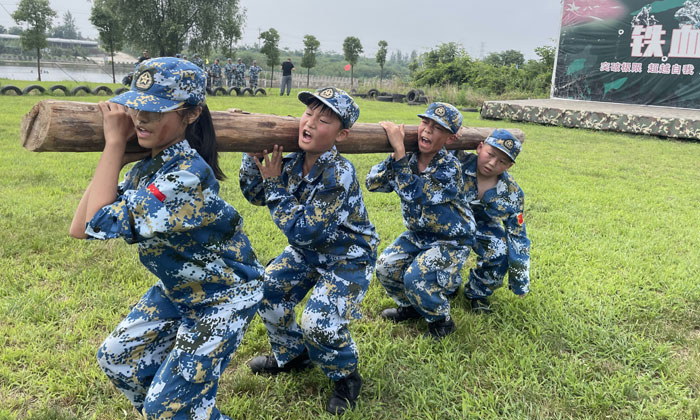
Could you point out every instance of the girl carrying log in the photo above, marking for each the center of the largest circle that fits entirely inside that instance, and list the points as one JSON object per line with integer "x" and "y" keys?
{"x": 166, "y": 356}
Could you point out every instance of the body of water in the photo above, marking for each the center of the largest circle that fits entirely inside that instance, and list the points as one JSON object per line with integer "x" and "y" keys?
{"x": 54, "y": 73}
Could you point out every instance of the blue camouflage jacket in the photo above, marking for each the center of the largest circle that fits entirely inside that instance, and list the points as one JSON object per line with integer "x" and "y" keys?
{"x": 187, "y": 235}
{"x": 501, "y": 208}
{"x": 322, "y": 214}
{"x": 432, "y": 202}
{"x": 254, "y": 70}
{"x": 215, "y": 70}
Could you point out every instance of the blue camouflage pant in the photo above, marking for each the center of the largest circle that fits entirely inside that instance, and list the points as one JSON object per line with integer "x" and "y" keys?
{"x": 421, "y": 274}
{"x": 168, "y": 365}
{"x": 254, "y": 82}
{"x": 240, "y": 80}
{"x": 338, "y": 290}
{"x": 491, "y": 263}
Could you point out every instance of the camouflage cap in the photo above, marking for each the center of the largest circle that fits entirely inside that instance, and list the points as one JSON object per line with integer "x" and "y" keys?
{"x": 506, "y": 142}
{"x": 336, "y": 99}
{"x": 163, "y": 84}
{"x": 444, "y": 114}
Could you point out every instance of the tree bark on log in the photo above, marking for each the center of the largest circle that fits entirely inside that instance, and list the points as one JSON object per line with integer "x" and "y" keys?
{"x": 66, "y": 126}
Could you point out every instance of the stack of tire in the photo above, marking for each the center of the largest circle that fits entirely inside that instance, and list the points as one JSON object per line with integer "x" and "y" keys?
{"x": 413, "y": 97}
{"x": 416, "y": 97}
{"x": 386, "y": 97}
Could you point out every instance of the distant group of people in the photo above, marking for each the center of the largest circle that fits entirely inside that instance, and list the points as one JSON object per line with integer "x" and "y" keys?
{"x": 232, "y": 73}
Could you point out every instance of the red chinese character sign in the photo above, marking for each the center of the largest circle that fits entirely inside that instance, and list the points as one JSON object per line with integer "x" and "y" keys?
{"x": 628, "y": 51}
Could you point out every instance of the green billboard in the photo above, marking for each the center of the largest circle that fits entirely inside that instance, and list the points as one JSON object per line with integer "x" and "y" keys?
{"x": 628, "y": 51}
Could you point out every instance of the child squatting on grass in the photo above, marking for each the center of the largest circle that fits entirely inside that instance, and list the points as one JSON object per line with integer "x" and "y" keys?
{"x": 315, "y": 199}
{"x": 167, "y": 354}
{"x": 497, "y": 202}
{"x": 421, "y": 268}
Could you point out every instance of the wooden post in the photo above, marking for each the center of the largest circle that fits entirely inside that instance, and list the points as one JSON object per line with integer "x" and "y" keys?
{"x": 66, "y": 126}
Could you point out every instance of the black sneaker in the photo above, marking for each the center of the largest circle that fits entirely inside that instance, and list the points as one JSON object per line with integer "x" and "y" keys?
{"x": 402, "y": 313}
{"x": 440, "y": 329}
{"x": 268, "y": 364}
{"x": 480, "y": 306}
{"x": 345, "y": 395}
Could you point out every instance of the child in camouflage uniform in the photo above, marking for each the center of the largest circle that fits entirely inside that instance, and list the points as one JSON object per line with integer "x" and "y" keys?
{"x": 197, "y": 60}
{"x": 497, "y": 202}
{"x": 420, "y": 268}
{"x": 229, "y": 70}
{"x": 166, "y": 356}
{"x": 239, "y": 73}
{"x": 315, "y": 199}
{"x": 254, "y": 70}
{"x": 215, "y": 71}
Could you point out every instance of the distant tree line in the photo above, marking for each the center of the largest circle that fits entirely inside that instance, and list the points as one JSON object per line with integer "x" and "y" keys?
{"x": 449, "y": 64}
{"x": 67, "y": 30}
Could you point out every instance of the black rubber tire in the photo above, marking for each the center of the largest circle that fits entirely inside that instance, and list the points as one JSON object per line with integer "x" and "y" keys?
{"x": 76, "y": 90}
{"x": 27, "y": 90}
{"x": 398, "y": 97}
{"x": 209, "y": 91}
{"x": 372, "y": 93}
{"x": 422, "y": 99}
{"x": 420, "y": 91}
{"x": 411, "y": 95}
{"x": 384, "y": 98}
{"x": 102, "y": 88}
{"x": 233, "y": 89}
{"x": 219, "y": 90}
{"x": 10, "y": 88}
{"x": 62, "y": 88}
{"x": 260, "y": 91}
{"x": 120, "y": 90}
{"x": 383, "y": 94}
{"x": 247, "y": 90}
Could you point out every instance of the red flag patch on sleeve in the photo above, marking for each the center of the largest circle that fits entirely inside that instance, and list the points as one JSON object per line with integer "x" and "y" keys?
{"x": 160, "y": 196}
{"x": 521, "y": 220}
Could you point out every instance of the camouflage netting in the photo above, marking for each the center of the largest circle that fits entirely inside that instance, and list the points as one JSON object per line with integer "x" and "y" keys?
{"x": 651, "y": 121}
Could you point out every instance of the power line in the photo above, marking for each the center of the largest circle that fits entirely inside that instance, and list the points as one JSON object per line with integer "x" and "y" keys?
{"x": 8, "y": 12}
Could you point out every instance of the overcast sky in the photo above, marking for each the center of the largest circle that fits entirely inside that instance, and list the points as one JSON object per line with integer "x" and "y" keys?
{"x": 479, "y": 26}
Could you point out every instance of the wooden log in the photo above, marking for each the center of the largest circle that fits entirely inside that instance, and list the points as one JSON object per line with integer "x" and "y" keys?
{"x": 66, "y": 126}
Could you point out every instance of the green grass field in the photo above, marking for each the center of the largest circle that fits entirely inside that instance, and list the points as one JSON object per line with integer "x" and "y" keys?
{"x": 611, "y": 329}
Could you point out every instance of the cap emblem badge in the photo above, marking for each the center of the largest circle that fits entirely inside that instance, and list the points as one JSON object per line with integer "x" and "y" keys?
{"x": 144, "y": 81}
